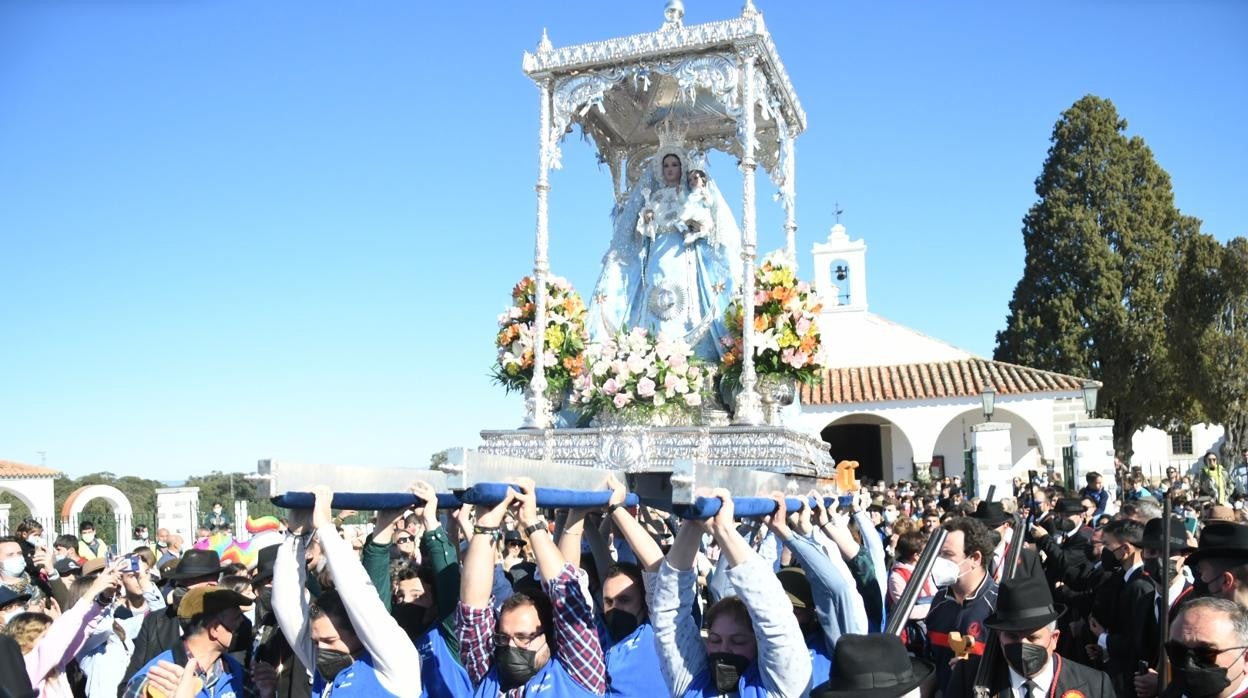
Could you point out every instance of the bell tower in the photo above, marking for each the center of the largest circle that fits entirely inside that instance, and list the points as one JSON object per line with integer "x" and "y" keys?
{"x": 841, "y": 271}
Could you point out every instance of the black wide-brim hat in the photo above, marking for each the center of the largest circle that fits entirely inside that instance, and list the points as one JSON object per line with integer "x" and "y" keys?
{"x": 1024, "y": 603}
{"x": 196, "y": 563}
{"x": 1221, "y": 539}
{"x": 991, "y": 514}
{"x": 1068, "y": 505}
{"x": 873, "y": 666}
{"x": 1153, "y": 539}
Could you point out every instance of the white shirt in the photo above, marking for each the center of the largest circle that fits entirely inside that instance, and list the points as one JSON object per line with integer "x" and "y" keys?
{"x": 1043, "y": 681}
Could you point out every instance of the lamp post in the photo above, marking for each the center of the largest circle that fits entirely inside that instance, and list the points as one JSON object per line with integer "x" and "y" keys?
{"x": 1090, "y": 389}
{"x": 988, "y": 399}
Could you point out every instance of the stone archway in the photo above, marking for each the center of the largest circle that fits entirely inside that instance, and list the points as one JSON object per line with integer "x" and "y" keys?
{"x": 1027, "y": 446}
{"x": 882, "y": 448}
{"x": 122, "y": 511}
{"x": 32, "y": 486}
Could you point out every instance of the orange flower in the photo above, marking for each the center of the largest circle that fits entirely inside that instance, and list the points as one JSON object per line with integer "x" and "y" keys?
{"x": 729, "y": 358}
{"x": 781, "y": 294}
{"x": 808, "y": 344}
{"x": 760, "y": 323}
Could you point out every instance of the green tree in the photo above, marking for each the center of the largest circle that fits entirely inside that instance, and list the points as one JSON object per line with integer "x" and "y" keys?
{"x": 1102, "y": 246}
{"x": 1210, "y": 334}
{"x": 226, "y": 488}
{"x": 439, "y": 458}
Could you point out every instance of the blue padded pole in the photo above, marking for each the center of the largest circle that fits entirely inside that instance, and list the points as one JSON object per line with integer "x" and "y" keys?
{"x": 491, "y": 493}
{"x": 364, "y": 501}
{"x": 747, "y": 507}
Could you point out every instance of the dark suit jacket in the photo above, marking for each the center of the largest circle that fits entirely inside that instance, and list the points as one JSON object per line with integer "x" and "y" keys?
{"x": 1128, "y": 611}
{"x": 1071, "y": 676}
{"x": 1066, "y": 558}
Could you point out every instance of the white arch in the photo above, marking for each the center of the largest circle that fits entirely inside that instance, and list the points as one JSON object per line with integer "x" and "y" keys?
{"x": 1026, "y": 456}
{"x": 122, "y": 511}
{"x": 897, "y": 445}
{"x": 36, "y": 494}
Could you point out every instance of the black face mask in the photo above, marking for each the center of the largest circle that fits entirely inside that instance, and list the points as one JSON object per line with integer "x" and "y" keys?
{"x": 411, "y": 618}
{"x": 620, "y": 624}
{"x": 1067, "y": 525}
{"x": 1199, "y": 681}
{"x": 329, "y": 663}
{"x": 1108, "y": 561}
{"x": 1152, "y": 567}
{"x": 727, "y": 669}
{"x": 515, "y": 666}
{"x": 1026, "y": 658}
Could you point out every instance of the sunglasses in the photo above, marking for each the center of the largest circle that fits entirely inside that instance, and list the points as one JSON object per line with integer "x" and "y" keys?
{"x": 1203, "y": 655}
{"x": 404, "y": 539}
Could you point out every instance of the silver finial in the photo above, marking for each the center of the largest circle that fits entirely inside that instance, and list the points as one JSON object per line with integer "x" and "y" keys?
{"x": 674, "y": 14}
{"x": 749, "y": 10}
{"x": 544, "y": 45}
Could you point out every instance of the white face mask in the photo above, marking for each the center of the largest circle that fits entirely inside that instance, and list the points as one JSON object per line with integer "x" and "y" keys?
{"x": 945, "y": 572}
{"x": 36, "y": 541}
{"x": 14, "y": 566}
{"x": 890, "y": 516}
{"x": 87, "y": 537}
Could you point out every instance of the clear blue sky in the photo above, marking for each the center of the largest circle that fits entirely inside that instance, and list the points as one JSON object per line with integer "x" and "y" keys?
{"x": 236, "y": 230}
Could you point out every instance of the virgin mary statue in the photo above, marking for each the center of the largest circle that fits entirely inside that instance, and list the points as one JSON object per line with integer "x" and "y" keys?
{"x": 674, "y": 260}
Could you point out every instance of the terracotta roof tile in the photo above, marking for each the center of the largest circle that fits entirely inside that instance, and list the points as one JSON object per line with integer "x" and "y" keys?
{"x": 10, "y": 468}
{"x": 947, "y": 379}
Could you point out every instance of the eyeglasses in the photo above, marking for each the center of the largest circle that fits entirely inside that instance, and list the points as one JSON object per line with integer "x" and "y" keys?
{"x": 404, "y": 539}
{"x": 520, "y": 640}
{"x": 1203, "y": 655}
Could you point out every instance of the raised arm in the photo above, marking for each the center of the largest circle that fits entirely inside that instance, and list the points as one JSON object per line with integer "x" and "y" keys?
{"x": 783, "y": 661}
{"x": 290, "y": 598}
{"x": 670, "y": 594}
{"x": 396, "y": 659}
{"x": 68, "y": 632}
{"x": 648, "y": 552}
{"x": 375, "y": 556}
{"x": 475, "y": 621}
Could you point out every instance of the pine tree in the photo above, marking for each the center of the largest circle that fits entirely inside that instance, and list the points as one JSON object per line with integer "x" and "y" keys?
{"x": 1102, "y": 246}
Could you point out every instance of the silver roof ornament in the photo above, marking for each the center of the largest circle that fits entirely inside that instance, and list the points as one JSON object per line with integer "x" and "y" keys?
{"x": 544, "y": 46}
{"x": 749, "y": 10}
{"x": 673, "y": 15}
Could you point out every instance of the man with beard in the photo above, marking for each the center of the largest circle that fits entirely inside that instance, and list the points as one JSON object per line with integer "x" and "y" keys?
{"x": 1028, "y": 664}
{"x": 1001, "y": 524}
{"x": 539, "y": 640}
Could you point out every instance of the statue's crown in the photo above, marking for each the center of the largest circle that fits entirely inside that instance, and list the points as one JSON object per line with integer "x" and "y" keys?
{"x": 671, "y": 135}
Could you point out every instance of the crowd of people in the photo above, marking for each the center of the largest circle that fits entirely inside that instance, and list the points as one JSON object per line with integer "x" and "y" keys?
{"x": 512, "y": 600}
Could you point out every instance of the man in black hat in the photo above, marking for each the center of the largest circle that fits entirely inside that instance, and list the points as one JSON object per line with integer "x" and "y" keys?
{"x": 874, "y": 666}
{"x": 1028, "y": 664}
{"x": 161, "y": 630}
{"x": 1067, "y": 551}
{"x": 1221, "y": 562}
{"x": 994, "y": 517}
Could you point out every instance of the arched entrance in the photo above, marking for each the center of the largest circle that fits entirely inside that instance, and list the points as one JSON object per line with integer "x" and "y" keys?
{"x": 123, "y": 514}
{"x": 1026, "y": 446}
{"x": 882, "y": 449}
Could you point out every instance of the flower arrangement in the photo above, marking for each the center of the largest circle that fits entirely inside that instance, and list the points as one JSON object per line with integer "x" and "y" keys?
{"x": 565, "y": 337}
{"x": 787, "y": 342}
{"x": 647, "y": 376}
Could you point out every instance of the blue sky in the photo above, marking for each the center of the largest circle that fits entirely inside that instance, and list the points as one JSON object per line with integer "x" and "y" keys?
{"x": 235, "y": 230}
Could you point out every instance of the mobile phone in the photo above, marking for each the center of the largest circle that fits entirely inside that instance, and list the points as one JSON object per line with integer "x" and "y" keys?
{"x": 131, "y": 563}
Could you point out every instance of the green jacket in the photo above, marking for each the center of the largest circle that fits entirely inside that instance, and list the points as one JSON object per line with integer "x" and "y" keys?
{"x": 444, "y": 559}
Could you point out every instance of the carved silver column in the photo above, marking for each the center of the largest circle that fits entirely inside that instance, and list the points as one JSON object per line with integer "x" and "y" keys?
{"x": 537, "y": 407}
{"x": 748, "y": 407}
{"x": 789, "y": 197}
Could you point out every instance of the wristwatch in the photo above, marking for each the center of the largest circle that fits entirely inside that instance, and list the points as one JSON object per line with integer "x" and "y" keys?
{"x": 535, "y": 527}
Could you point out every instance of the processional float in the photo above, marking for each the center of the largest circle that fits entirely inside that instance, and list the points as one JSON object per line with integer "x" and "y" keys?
{"x": 723, "y": 83}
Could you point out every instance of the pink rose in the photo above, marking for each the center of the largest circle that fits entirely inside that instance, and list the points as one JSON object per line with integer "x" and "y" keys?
{"x": 645, "y": 388}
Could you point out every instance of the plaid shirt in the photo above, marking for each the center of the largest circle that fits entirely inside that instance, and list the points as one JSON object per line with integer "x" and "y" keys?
{"x": 576, "y": 639}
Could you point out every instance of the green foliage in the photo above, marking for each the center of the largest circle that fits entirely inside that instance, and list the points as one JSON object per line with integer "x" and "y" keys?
{"x": 1102, "y": 247}
{"x": 439, "y": 458}
{"x": 226, "y": 488}
{"x": 1210, "y": 332}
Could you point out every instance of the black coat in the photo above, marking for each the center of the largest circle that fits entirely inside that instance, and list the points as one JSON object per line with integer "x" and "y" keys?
{"x": 1128, "y": 611}
{"x": 1066, "y": 559}
{"x": 1071, "y": 676}
{"x": 14, "y": 682}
